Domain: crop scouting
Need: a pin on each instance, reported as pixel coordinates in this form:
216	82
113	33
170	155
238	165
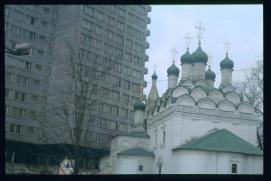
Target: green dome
200	56
173	70
187	58
210	75
154	76
226	63
139	105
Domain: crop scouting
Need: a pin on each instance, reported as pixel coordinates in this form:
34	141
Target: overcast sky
241	24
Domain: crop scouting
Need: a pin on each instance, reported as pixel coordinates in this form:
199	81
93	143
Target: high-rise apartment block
110	38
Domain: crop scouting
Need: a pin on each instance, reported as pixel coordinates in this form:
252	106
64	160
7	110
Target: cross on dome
200	28
174	52
210	58
188	39
154	67
227	45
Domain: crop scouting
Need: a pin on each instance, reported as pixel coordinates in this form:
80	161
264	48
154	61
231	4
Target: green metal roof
134	134
222	141
136	152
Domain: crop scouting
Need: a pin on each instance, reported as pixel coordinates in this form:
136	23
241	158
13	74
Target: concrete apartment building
112	37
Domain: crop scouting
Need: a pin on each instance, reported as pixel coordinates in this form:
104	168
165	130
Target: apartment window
98	29
32	21
140	168
42	37
115	95
88	25
114	110
12	128
36	82
126	84
119	39
110	20
131	17
30	130
234	168
136	87
8	77
89	10
46	10
119	53
128	57
16	128
122	12
129	43
40	52
99	15
7	11
110	35
120	25
123	112
125	98
18	15
44	23
27	66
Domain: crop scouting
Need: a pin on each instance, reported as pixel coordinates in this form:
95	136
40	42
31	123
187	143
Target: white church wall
198	94
185	100
246	108
216	95
233	97
203	162
130	164
179	91
206	103
226	105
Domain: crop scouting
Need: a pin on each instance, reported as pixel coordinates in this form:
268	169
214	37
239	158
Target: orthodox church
193	128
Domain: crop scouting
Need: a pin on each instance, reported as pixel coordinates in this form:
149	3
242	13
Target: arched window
140	168
234	168
159	168
164	137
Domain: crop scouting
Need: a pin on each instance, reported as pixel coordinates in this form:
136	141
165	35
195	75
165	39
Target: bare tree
76	103
251	90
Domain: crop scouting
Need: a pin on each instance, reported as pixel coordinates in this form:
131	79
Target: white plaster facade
190	111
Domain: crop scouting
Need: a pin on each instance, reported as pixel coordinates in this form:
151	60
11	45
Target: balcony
146	58
148	20
147	45
148	32
145	70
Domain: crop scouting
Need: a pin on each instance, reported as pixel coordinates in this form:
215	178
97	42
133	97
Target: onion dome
173	70
200	56
226	63
154	76
210	75
139	105
187	58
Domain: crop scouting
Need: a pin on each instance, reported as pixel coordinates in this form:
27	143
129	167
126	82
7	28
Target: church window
140	168
234	168
159	168
164	137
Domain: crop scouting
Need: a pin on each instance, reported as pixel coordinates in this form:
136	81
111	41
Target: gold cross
188	38
210	57
154	67
200	29
227	45
174	52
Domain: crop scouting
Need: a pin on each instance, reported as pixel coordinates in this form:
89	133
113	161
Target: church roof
136	152
221	141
